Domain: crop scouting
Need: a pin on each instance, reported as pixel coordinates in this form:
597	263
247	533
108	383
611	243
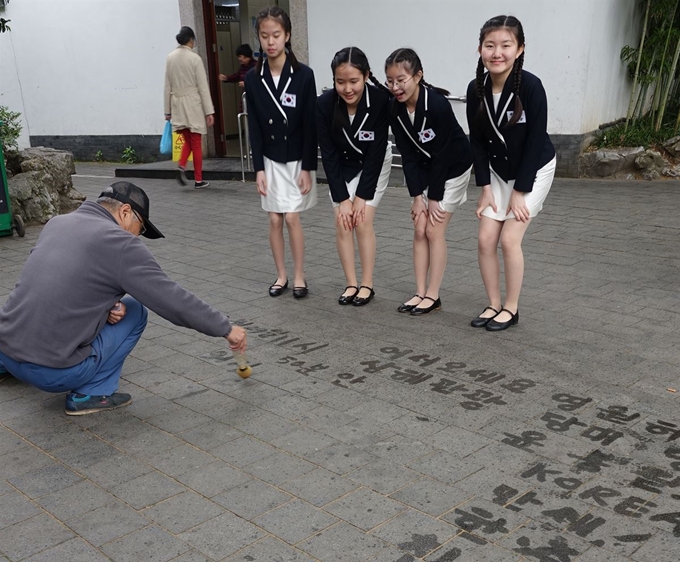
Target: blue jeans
98	374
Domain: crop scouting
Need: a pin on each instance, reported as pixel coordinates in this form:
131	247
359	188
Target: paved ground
364	434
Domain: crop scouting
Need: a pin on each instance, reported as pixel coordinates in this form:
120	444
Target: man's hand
117	313
237	339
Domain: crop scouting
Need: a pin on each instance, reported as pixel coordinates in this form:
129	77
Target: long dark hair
514	26
276	13
355	57
411	61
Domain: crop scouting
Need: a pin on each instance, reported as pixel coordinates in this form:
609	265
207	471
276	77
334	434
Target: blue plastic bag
166	139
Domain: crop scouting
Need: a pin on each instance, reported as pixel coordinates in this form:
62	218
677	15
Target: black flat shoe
408	307
495	326
364	300
300	292
481	322
348	299
436	305
275	290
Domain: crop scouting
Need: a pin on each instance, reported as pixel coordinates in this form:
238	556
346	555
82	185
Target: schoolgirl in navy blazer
356	147
430	160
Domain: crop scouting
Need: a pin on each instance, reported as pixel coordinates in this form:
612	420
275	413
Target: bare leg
277	245
344	241
366	242
297	247
421	257
513	260
489	266
436	236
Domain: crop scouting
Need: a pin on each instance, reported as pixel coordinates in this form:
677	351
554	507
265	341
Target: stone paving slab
363	434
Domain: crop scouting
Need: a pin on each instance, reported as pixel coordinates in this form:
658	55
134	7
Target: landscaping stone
608	162
42	188
651	164
673	146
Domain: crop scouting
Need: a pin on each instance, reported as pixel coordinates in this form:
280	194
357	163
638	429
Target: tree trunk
665	95
637	65
671	74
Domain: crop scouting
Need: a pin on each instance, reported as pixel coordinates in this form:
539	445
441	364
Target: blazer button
273	139
271	121
506	157
490	142
285	121
286	138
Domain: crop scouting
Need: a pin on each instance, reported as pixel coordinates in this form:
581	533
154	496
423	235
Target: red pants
192	143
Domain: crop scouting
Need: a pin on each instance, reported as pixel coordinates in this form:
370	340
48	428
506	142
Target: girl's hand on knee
518	206
417	208
305	182
486	199
345	215
261	182
435	212
359	210
117	313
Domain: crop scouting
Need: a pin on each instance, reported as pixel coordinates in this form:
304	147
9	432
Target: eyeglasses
399	84
143	229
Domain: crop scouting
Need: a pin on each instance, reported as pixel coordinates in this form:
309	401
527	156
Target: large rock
43	188
673	146
651	164
608	162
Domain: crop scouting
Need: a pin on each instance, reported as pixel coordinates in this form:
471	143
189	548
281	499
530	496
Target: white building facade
87	75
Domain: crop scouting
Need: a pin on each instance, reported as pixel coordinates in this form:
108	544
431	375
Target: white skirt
455	192
502	191
283	193
383	180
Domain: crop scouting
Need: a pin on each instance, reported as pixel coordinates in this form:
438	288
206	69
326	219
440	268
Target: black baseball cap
129	193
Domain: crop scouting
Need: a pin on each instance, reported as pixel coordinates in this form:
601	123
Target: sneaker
182	178
201	184
81	404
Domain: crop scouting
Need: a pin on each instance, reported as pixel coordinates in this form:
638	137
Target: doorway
228	24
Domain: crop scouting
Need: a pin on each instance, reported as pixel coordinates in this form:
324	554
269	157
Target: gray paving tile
431	496
146	490
342	543
115	470
243	451
295	521
75	500
213	478
365	508
156	545
415	533
182	512
252	498
340	458
180	460
319	487
106	523
73	550
192	556
16	508
269	549
383	476
222	536
31	536
209	435
303	442
467	547
279	468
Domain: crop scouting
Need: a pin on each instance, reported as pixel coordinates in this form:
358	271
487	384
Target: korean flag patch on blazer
426	136
366	135
288	100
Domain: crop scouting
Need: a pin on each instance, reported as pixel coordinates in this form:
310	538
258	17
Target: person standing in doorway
187	103
507	111
281	96
244	54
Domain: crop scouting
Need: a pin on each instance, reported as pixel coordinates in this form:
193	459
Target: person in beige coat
187	102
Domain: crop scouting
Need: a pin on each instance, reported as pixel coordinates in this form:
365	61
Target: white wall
10	88
573	46
88	67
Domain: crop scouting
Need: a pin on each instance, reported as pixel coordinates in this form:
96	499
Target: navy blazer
517	152
434	149
359	147
282	120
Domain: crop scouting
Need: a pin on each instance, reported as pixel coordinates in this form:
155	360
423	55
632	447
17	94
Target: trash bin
8	223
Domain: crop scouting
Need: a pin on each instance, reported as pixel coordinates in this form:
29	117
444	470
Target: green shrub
129	155
639	133
10	129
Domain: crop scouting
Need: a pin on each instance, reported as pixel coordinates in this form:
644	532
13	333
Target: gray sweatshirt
82	264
